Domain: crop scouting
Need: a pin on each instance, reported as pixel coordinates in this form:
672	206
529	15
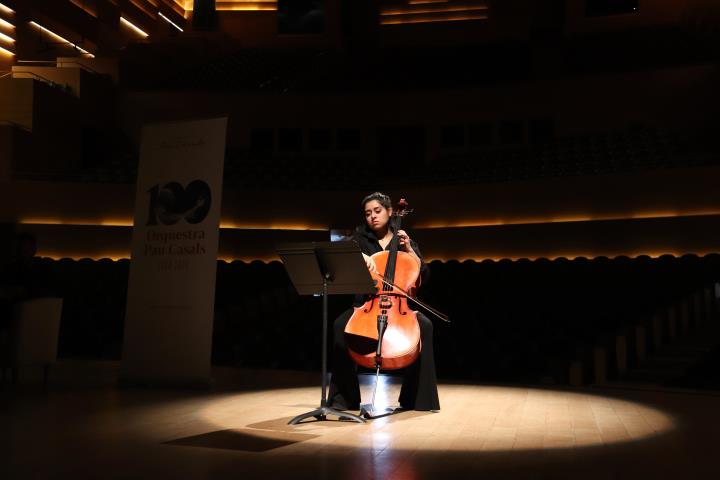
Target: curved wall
673	211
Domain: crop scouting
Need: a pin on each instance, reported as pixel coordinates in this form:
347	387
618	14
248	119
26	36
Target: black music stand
326	268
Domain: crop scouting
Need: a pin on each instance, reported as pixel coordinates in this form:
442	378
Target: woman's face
377	216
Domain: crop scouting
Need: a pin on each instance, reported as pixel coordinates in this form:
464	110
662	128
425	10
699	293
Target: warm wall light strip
477	16
227	259
6	38
6	52
572	256
566	219
248	5
272	226
133	27
115	256
170	21
177	6
62	39
141	6
6	24
120	222
82	6
6	9
247	8
401	11
241	2
188	7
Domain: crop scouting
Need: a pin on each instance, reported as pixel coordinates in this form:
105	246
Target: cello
384	332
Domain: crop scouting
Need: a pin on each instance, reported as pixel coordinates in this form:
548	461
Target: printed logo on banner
172	203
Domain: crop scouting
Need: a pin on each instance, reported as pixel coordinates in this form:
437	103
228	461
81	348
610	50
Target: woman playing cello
419	388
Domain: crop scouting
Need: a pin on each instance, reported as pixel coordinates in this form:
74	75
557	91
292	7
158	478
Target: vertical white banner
171	289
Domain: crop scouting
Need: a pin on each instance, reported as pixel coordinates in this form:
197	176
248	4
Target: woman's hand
404	241
405	245
370	263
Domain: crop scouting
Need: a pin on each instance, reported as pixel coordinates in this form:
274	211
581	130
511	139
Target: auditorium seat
530	320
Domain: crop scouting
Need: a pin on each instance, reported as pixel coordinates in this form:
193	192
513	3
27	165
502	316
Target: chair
34	337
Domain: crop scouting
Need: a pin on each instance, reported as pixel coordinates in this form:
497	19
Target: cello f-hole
369	307
400	307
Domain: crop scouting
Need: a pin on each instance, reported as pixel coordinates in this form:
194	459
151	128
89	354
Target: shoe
418	409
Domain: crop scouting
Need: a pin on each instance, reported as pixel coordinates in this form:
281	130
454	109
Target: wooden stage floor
239	430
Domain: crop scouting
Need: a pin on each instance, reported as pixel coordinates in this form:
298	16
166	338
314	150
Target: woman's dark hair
382	199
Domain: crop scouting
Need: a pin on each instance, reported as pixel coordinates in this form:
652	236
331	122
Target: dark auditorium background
561	157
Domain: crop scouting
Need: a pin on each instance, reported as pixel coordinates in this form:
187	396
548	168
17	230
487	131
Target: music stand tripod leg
322	412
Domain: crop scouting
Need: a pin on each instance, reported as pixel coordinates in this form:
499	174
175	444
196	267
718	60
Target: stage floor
240	430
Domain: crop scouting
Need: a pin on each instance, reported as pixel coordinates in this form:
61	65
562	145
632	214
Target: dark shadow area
239	440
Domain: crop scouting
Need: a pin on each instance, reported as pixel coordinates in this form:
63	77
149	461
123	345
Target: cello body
401	338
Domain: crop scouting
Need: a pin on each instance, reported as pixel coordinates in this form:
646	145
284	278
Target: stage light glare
170	21
7	52
133	27
6	9
60	38
6	24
